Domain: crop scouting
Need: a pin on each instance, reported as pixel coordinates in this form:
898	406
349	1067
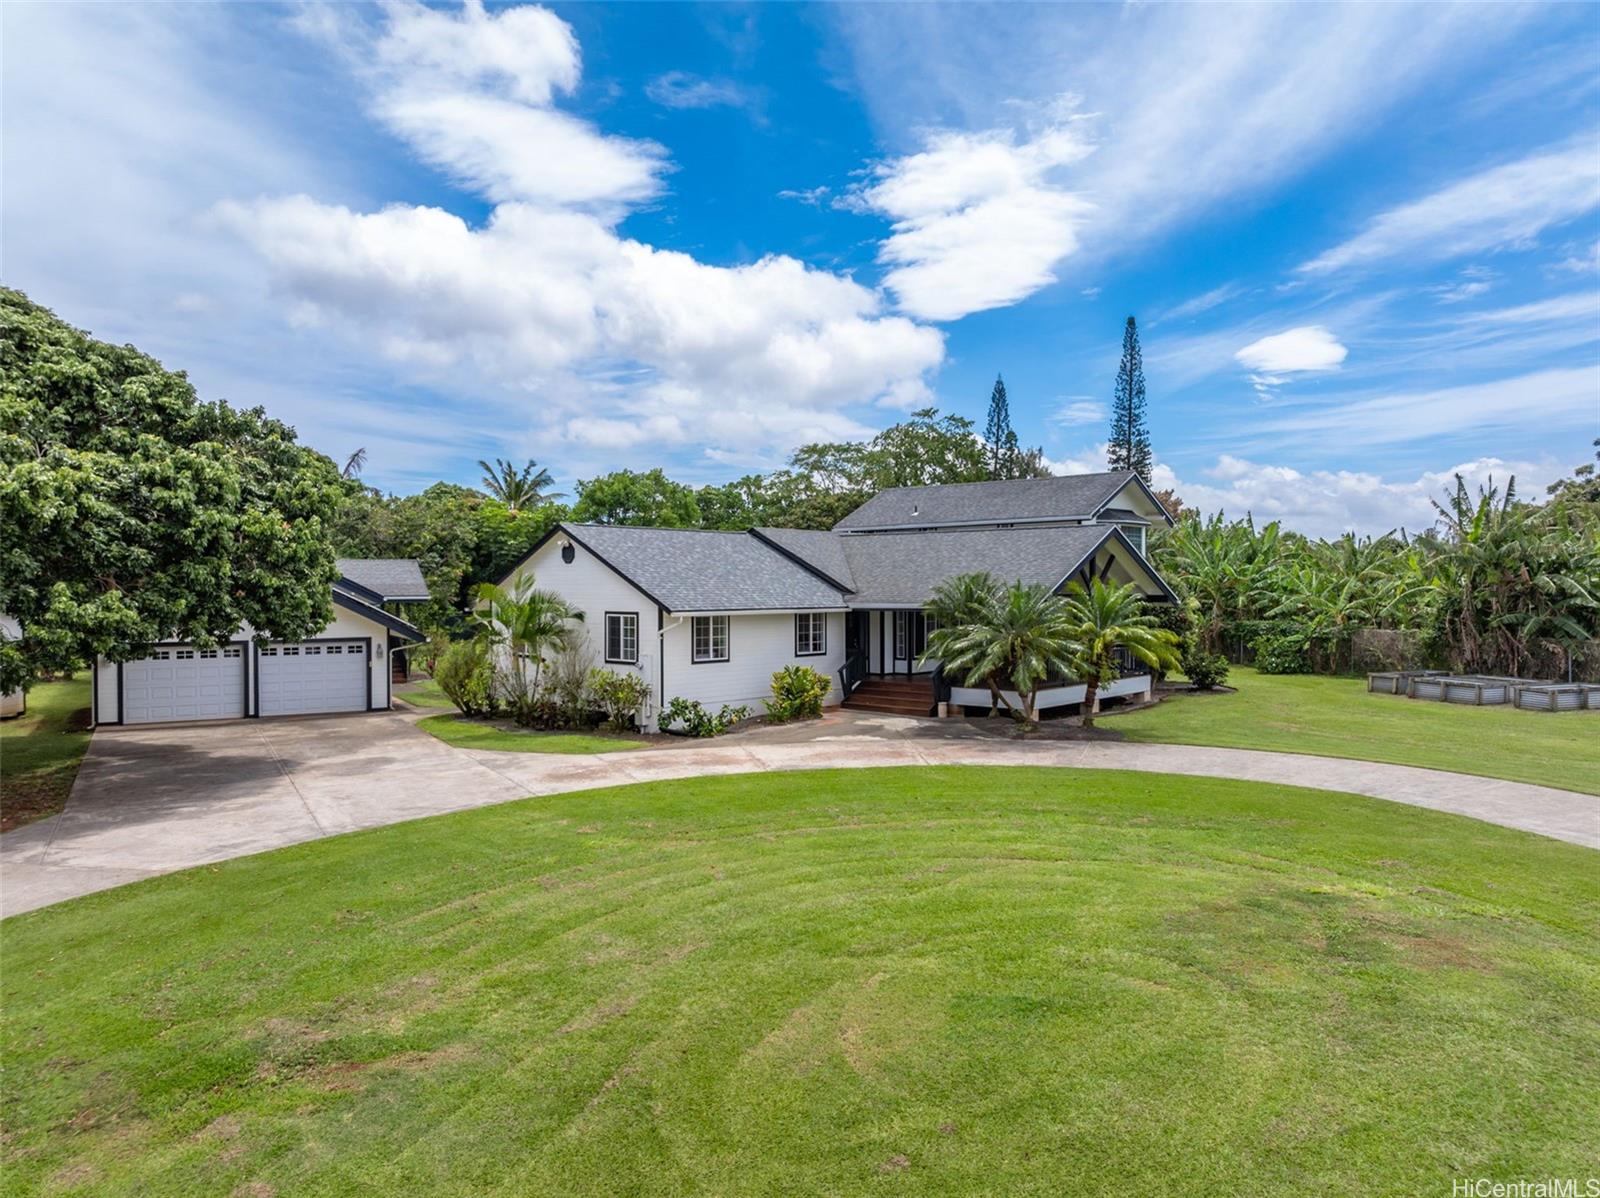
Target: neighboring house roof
352	601
392	579
1029	500
902	569
688	570
821	551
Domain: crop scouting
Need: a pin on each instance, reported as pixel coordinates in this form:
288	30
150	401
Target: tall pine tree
999	438
1130	439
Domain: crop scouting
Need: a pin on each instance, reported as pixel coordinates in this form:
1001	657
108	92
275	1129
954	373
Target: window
710	636
313	650
291	650
269	652
622	637
231	652
810	634
185	654
900	635
335	648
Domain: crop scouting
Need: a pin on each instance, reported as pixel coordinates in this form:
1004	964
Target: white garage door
180	682
314	676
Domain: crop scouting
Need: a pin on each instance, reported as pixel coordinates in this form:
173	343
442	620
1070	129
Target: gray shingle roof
395	578
1067	497
819	550
903	568
690	570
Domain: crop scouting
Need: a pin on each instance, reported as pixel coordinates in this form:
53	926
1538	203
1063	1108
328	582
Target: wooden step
885	707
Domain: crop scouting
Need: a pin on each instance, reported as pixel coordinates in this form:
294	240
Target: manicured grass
481	734
422	692
932	981
40	751
1336	717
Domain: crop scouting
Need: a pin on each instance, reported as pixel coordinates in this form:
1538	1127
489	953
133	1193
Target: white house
346	667
11	702
712	615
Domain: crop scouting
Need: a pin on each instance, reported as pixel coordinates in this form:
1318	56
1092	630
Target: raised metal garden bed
1559	696
1474	690
1398	682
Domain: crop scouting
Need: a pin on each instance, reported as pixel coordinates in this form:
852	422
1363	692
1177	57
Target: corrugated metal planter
1474	690
1575	696
1397	682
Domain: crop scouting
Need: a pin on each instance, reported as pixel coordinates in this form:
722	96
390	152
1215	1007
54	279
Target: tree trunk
1091	702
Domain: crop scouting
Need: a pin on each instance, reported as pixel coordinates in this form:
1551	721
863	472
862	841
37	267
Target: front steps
893	696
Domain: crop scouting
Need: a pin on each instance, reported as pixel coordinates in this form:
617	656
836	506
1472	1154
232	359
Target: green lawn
40	751
925	981
1336	717
422	692
481	734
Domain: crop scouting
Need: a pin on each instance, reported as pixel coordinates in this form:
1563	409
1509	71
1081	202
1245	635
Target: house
711	616
12	703
346	667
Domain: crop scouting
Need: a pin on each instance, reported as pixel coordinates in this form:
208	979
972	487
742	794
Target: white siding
594	588
759	646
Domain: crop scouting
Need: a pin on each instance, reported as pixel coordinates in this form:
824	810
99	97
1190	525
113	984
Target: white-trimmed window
810	634
710	637
901	619
622	637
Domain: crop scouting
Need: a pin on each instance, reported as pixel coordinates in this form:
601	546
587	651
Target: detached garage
345	669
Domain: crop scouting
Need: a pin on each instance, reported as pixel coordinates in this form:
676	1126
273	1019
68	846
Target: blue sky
1361	241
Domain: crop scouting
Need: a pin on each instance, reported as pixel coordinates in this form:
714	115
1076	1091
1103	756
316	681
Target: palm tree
530	623
354	464
517	488
1011	637
1104	618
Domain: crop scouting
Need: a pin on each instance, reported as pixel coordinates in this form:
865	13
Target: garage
313	676
181	682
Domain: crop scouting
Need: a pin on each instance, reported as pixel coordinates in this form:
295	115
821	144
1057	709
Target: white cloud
680	89
625	345
1328	503
473	93
812	197
1200	303
1551	399
1308	349
1232	99
1081	411
979	219
1503	207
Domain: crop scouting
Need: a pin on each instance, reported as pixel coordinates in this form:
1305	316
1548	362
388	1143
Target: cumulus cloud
1308	349
1502	207
979	219
626	344
1329	503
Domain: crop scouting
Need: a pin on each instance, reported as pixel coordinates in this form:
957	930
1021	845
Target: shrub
1282	653
567	686
465	673
697	721
1205	670
621	696
797	694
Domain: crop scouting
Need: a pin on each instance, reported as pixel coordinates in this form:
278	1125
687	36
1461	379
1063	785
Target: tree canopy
134	512
636	497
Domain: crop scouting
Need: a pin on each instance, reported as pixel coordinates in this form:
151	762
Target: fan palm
1105	618
1004	638
517	488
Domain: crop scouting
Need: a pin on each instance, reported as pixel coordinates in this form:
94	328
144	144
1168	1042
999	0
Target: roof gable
392	579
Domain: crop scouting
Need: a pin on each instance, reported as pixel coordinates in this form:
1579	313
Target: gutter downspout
661	656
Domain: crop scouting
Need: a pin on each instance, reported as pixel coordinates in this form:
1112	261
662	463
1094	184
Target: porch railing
852	673
1129	666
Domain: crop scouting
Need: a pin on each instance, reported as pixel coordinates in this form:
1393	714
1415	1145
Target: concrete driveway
152	800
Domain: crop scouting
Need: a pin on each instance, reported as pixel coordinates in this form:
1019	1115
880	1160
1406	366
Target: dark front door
856	630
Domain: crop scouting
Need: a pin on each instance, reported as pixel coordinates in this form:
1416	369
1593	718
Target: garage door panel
313	676
181	682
